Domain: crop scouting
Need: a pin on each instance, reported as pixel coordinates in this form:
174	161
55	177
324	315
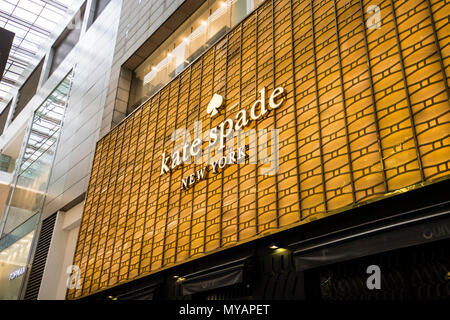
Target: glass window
13	261
100	5
97	8
67	41
6	165
207	25
34	167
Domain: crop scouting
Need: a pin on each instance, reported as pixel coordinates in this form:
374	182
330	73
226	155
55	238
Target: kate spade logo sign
221	149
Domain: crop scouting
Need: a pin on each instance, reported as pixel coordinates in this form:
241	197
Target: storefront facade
332	110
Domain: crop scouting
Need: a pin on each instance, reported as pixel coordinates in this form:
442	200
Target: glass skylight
32	21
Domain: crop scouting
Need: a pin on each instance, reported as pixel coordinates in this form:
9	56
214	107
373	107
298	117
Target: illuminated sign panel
221	138
17	273
364	114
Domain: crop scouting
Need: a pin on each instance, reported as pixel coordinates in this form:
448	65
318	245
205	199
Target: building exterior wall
91	60
364	115
61	251
138	21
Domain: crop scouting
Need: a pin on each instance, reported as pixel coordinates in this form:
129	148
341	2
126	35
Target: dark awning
143	293
367	242
220	276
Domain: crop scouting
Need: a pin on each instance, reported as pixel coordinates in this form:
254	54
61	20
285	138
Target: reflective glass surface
32	22
34	167
13	260
208	24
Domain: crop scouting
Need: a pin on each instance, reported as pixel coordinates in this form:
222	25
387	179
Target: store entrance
416	273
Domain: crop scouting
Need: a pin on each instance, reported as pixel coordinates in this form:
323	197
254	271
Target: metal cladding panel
6	42
365	115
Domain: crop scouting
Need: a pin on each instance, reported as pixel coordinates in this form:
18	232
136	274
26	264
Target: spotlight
179	279
273	246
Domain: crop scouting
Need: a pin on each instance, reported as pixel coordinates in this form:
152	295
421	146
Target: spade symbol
215	103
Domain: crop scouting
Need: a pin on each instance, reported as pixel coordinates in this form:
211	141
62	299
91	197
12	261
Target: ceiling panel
32	21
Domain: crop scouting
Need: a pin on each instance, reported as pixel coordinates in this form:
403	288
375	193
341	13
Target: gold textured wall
366	114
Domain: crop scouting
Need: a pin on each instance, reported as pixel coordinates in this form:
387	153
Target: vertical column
175	177
230	195
393	113
191	117
167	226
88	206
267	189
153	152
185	196
103	216
335	149
123	197
134	168
214	210
113	214
164	180
286	117
439	14
141	181
198	190
427	90
98	204
248	171
367	168
313	200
